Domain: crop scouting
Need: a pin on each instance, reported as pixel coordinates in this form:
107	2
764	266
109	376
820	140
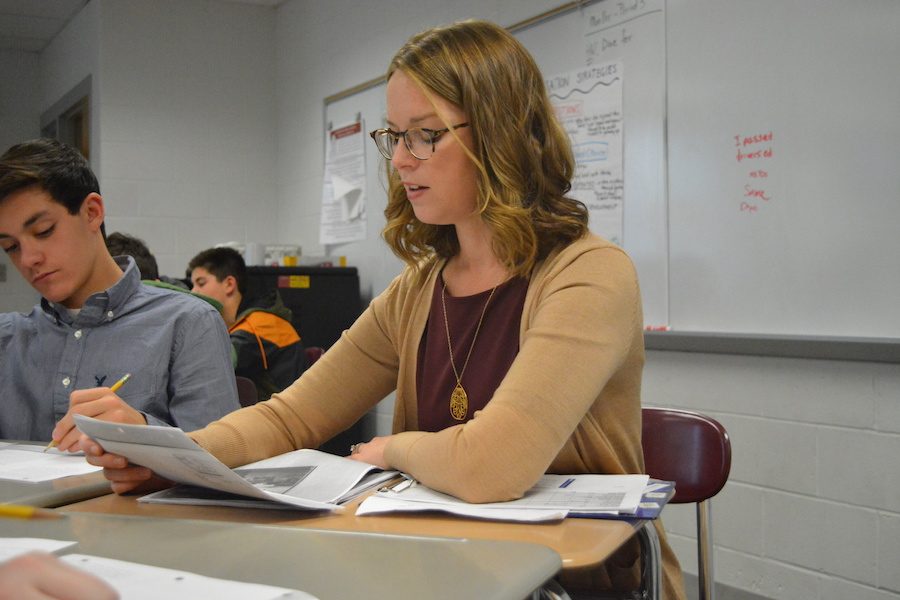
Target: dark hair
55	167
120	244
222	262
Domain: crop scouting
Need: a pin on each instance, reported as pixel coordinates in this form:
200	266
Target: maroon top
495	349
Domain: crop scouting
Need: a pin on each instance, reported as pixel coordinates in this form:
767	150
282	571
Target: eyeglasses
419	141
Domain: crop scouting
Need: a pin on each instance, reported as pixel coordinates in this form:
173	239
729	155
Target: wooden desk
53	493
579	542
327	564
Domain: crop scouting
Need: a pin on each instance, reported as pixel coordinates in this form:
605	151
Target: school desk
581	543
55	492
326	564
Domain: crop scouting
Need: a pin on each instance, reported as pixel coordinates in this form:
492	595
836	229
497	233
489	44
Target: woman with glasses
513	338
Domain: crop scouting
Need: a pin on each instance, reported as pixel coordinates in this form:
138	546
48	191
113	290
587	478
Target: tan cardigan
570	402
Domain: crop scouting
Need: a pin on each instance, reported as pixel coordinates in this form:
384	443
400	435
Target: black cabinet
325	300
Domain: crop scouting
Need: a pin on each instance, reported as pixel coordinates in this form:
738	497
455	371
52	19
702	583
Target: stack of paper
304	478
554	497
29	462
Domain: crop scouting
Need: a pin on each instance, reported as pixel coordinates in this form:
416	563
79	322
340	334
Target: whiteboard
821	79
762	160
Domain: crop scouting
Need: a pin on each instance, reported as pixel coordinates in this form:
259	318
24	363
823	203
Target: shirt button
110	314
78	335
66	381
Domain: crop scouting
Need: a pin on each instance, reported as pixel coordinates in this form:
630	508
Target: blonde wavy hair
522	154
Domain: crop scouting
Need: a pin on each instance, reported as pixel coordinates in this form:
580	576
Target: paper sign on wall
343	188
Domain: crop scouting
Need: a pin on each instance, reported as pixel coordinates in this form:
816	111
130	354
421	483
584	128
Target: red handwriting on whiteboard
757	148
749	147
742	141
754	193
762	153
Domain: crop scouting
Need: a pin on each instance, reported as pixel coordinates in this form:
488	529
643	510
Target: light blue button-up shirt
175	346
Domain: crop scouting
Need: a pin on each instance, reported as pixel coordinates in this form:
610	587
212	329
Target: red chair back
246	391
686	447
313	353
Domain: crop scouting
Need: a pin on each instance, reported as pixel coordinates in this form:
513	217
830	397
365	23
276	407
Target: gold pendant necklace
459	400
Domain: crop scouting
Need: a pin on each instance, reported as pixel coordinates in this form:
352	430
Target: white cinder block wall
18	121
18	96
187	124
812	509
183	119
211	128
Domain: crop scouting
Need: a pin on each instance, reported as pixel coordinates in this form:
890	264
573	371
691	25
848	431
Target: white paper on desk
28	462
135	581
589	492
561	493
378	504
620	493
303	478
13	547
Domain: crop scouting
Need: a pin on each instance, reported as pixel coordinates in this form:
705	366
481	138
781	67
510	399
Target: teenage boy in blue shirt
95	321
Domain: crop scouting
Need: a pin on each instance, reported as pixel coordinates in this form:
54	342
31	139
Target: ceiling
29	25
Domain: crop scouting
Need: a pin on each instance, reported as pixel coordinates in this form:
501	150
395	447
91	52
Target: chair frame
701	478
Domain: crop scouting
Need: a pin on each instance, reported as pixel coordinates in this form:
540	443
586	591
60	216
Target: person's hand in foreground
40	576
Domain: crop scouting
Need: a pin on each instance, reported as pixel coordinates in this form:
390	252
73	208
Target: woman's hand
372	452
124	476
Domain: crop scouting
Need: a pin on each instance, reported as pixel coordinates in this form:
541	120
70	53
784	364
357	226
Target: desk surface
327	564
56	492
579	542
53	493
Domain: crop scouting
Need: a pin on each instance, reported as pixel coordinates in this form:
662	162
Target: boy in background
95	321
266	345
123	244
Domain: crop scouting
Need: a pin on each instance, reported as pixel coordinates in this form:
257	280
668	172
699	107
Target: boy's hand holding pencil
100	403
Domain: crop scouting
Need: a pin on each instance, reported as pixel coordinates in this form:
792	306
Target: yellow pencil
16	511
115	388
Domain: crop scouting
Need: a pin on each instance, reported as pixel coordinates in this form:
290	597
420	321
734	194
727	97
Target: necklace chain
459	400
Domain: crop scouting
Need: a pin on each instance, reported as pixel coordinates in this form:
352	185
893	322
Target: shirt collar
102	306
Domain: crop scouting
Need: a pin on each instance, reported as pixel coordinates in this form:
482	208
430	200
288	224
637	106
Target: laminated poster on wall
343	188
588	103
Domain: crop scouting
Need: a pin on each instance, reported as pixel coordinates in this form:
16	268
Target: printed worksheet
29	462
